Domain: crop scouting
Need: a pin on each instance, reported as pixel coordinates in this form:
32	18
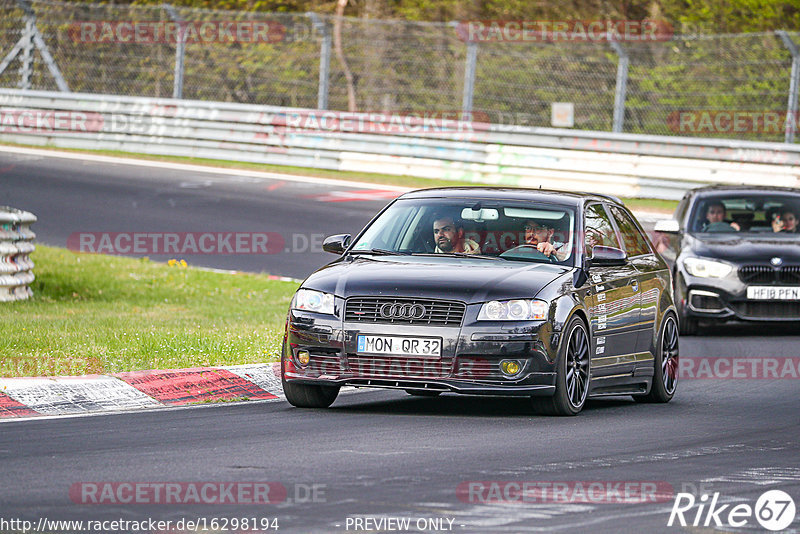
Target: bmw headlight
513	310
315	301
707	268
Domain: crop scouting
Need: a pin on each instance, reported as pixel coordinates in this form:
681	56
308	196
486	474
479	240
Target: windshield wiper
379	252
458	255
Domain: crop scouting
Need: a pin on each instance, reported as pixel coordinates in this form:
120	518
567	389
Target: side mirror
667	226
336	243
607	257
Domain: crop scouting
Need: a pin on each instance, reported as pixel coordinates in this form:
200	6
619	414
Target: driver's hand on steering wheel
546	248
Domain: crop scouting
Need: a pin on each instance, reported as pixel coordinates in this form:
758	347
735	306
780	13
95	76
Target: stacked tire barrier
16	266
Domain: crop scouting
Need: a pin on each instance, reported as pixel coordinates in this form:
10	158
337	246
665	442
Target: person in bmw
786	221
750	275
392	312
715	219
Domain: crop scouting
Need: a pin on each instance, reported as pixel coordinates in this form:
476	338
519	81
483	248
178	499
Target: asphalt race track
381	455
71	197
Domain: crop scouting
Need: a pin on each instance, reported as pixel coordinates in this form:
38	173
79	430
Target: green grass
105	314
644	204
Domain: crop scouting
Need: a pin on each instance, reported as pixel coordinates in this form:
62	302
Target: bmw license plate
773	293
425	347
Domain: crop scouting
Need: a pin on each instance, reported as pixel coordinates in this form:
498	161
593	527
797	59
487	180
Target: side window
599	230
635	242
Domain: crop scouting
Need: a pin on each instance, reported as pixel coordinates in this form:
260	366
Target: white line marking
200	168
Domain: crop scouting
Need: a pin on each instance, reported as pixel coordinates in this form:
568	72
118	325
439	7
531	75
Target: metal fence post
794	86
180	51
26	61
469	77
31	37
324	60
620	93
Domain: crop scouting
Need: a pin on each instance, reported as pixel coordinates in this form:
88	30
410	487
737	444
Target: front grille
790	274
397	367
437	312
324	364
476	368
765	274
768	310
757	274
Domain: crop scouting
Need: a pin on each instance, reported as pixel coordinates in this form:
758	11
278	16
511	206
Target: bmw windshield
480	228
774	215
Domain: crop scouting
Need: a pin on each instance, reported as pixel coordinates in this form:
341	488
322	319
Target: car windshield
482	228
772	214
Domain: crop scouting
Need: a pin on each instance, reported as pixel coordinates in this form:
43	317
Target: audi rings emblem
402	311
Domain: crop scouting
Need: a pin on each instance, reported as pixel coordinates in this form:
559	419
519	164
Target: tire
422	393
573	373
665	376
307	395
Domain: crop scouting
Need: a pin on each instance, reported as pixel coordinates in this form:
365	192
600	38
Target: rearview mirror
667	226
607	256
336	243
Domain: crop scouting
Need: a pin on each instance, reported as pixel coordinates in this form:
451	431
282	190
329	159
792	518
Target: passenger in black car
715	219
786	222
449	236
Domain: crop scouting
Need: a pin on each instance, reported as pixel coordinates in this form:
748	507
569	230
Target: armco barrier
621	164
16	267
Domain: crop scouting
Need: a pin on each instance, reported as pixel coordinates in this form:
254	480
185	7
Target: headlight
513	310
316	301
707	268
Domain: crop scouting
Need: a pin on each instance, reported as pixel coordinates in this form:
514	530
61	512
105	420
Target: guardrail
16	267
441	145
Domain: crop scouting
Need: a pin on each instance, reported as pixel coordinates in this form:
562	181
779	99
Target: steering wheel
529	251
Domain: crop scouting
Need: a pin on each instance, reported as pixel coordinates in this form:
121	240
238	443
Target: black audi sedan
550	295
737	255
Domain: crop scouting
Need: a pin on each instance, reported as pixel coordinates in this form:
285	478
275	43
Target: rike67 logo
774	510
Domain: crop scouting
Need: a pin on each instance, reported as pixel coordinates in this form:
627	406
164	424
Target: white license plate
773	293
429	347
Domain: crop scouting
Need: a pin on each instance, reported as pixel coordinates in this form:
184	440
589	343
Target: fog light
303	356
510	367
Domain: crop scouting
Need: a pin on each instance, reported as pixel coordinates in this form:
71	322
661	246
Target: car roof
510	193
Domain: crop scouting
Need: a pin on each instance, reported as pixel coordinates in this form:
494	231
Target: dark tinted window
635	242
751	213
599	230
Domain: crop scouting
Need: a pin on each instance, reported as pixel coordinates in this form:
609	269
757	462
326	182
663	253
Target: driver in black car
715	219
539	236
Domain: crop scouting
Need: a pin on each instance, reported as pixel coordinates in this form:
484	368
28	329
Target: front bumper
726	299
469	363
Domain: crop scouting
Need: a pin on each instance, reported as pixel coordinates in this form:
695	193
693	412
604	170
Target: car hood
464	279
748	248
